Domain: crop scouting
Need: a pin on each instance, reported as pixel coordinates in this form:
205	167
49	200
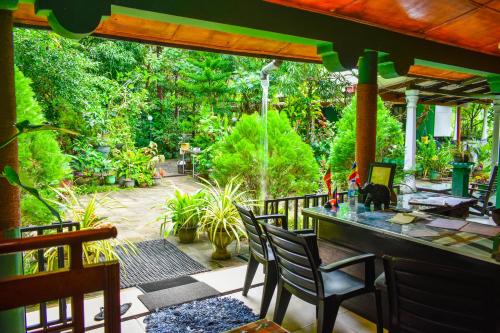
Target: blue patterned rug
213	315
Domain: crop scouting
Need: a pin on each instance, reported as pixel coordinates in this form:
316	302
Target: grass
96	188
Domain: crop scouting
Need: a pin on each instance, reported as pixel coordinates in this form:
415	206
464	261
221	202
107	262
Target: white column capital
496	104
411	97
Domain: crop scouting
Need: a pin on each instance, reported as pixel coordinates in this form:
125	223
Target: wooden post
366	113
459	125
10	218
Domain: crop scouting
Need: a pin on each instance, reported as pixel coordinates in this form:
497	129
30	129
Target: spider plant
220	218
85	213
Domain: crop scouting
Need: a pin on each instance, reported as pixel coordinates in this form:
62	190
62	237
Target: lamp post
150	119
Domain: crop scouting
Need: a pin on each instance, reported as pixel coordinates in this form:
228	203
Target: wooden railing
63	316
291	208
74	282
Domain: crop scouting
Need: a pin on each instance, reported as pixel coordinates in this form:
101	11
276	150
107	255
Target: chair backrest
426	297
493	179
296	265
382	173
256	238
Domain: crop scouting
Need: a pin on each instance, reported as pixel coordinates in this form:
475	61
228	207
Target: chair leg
269	285
251	269
327	314
282	301
380	317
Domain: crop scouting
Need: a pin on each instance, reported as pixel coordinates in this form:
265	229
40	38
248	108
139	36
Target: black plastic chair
326	287
484	205
430	298
260	253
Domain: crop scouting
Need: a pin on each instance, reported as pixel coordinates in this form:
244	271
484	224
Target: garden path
135	212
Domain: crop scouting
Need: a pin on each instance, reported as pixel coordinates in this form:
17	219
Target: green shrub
42	163
389	139
292	167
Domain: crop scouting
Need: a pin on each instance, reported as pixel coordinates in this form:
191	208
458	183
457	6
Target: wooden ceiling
120	26
471	24
435	91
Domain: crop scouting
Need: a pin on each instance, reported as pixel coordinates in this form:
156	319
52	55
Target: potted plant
183	216
157	178
461	154
220	218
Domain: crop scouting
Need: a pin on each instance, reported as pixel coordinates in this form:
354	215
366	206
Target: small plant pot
221	240
121	180
187	235
157	181
104	149
434	175
128	183
495	214
110	180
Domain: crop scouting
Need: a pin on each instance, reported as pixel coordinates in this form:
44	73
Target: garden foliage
389	140
42	164
292	167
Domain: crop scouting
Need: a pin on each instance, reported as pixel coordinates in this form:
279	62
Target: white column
496	130
411	136
484	134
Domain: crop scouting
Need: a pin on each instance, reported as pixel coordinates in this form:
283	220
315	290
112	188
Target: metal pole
11	321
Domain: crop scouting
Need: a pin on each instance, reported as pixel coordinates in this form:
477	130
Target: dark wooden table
351	232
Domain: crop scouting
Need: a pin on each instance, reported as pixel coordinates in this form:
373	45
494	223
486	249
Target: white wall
443	122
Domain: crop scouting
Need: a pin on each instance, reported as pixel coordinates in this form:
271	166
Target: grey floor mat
165	284
156	260
177	295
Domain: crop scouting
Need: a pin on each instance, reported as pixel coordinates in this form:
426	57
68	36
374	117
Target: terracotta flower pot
220	241
187	235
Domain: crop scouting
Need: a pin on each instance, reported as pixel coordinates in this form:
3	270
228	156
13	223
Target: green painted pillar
11	321
366	113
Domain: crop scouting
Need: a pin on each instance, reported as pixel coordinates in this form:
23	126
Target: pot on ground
220	240
104	149
157	180
434	175
187	235
110	179
128	183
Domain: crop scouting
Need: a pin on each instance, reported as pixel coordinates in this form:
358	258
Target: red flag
328	180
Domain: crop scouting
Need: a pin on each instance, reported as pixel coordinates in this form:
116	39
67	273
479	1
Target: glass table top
465	243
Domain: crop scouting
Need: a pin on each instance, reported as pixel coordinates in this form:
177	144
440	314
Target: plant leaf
26	127
13	178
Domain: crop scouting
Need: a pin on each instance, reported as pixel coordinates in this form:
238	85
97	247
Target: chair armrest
364	258
304	232
276	217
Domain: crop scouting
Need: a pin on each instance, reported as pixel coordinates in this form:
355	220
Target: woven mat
156	260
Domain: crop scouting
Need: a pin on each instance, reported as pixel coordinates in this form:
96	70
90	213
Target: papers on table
485	230
447	224
464	226
402	219
440	201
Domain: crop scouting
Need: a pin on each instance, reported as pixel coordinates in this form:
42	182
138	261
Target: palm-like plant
220	218
183	212
84	212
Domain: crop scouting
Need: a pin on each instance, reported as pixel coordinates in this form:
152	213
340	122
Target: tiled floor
300	316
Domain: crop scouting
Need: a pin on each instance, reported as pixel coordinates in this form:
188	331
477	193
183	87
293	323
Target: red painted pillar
11	321
366	113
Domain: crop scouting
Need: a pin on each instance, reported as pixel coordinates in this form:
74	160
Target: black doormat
177	295
166	284
155	260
